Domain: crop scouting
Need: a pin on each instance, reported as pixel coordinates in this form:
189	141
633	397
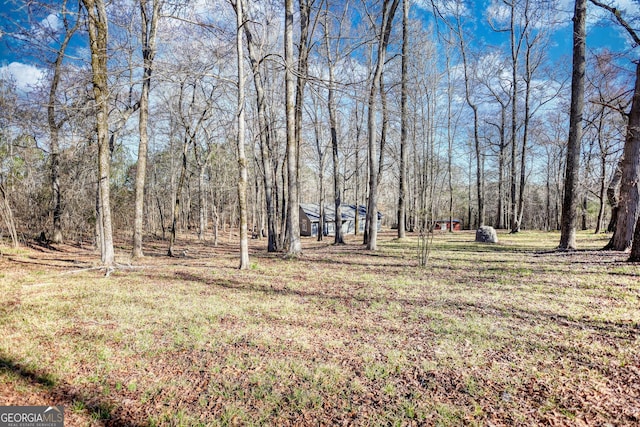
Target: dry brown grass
511	334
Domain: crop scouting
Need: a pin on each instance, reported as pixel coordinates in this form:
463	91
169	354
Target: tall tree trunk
55	184
177	198
402	191
293	224
629	206
337	189
585	206
265	140
302	72
282	196
357	168
602	194
613	192
149	23
333	127
388	12
525	132
98	36
54	128
216	224
569	205
476	136
242	159
321	205
98	233
321	156
548	197
500	221
635	248
202	203
629	203
515	53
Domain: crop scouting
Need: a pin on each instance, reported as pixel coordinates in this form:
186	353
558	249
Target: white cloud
498	13
52	22
632	7
629	9
24	75
448	8
543	14
48	26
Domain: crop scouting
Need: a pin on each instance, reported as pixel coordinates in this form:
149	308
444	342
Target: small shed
310	219
444	224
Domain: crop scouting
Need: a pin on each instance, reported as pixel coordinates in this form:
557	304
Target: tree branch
620	19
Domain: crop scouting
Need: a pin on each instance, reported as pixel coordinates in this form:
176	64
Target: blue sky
602	33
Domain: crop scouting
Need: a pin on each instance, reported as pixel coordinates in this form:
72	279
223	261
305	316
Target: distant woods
147	119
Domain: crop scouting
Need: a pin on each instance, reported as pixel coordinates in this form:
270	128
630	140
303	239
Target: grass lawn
506	334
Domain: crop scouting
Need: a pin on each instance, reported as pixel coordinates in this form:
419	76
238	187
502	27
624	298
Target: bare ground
511	334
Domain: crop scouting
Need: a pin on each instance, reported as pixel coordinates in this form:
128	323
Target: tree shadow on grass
105	411
606	328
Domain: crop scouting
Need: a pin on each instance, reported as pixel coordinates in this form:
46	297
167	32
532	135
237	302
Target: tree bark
500	220
294	247
202	203
628	209
178	197
613	197
265	140
240	136
337	189
602	193
629	206
569	205
388	12
525	132
515	53
333	128
98	36
402	190
476	136
148	37
54	129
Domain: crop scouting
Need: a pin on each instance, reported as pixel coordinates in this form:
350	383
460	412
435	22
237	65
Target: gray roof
348	212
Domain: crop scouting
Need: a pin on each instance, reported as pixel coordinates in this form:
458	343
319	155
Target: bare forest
151	119
240	212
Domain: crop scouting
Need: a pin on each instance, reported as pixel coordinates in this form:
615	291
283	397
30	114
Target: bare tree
331	51
321	152
294	246
474	107
388	12
194	108
150	15
98	38
402	190
608	102
56	124
515	41
499	93
569	204
242	158
257	61
624	236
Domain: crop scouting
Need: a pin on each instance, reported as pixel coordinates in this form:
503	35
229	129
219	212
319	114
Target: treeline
404	107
